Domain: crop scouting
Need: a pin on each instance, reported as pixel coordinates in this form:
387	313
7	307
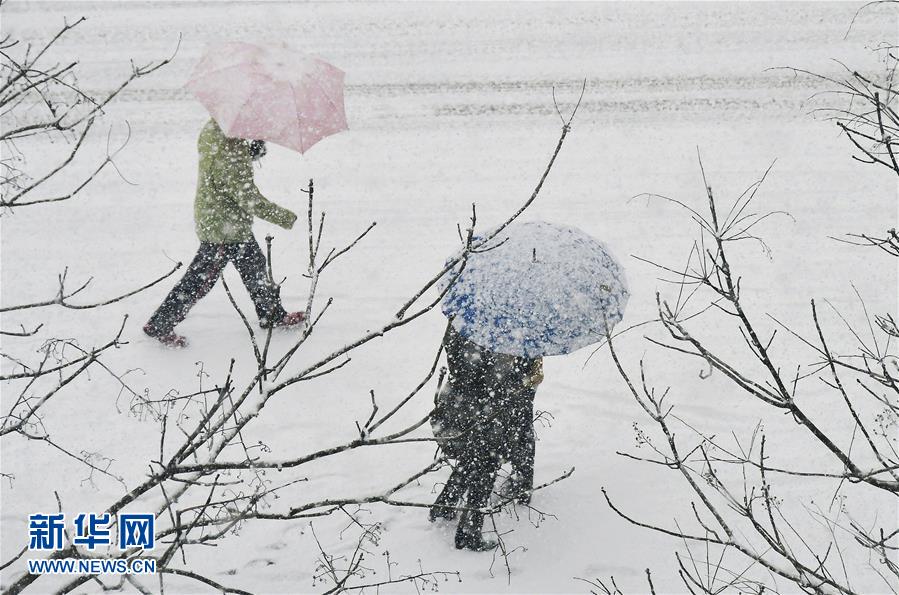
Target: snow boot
291	319
449	497
170	339
440	513
468	534
442	507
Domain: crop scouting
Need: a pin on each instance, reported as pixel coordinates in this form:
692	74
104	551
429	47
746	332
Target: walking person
488	411
226	203
529	290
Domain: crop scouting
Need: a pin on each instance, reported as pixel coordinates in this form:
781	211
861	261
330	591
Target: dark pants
505	430
522	441
202	275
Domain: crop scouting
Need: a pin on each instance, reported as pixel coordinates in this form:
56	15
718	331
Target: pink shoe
172	340
290	319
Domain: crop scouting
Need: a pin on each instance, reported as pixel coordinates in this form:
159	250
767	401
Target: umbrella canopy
270	93
538	289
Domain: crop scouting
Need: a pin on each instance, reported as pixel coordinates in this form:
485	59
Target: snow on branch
740	535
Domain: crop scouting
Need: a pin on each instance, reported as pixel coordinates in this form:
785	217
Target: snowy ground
449	104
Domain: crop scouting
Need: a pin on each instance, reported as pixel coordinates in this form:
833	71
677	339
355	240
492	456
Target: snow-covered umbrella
270	93
537	289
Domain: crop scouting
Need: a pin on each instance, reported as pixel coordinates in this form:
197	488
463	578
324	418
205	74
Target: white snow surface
449	105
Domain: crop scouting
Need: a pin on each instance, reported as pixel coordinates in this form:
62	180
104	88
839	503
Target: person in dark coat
485	415
226	203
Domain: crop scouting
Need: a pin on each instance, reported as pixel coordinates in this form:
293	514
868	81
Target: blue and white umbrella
537	289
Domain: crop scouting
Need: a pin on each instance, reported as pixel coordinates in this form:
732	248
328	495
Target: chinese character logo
136	530
89	530
45	531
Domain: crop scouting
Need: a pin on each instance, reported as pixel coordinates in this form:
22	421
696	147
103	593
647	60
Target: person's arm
237	179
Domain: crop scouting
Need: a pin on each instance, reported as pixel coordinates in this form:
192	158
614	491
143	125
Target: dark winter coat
487	399
227	199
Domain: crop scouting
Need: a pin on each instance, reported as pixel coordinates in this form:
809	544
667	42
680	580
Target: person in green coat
226	203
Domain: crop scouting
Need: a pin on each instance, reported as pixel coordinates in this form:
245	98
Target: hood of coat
213	137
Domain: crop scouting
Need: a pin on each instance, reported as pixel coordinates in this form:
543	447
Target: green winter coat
227	198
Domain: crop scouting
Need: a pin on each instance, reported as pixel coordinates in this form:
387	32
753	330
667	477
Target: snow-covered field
449	104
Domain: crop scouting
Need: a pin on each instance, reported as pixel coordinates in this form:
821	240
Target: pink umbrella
270	93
